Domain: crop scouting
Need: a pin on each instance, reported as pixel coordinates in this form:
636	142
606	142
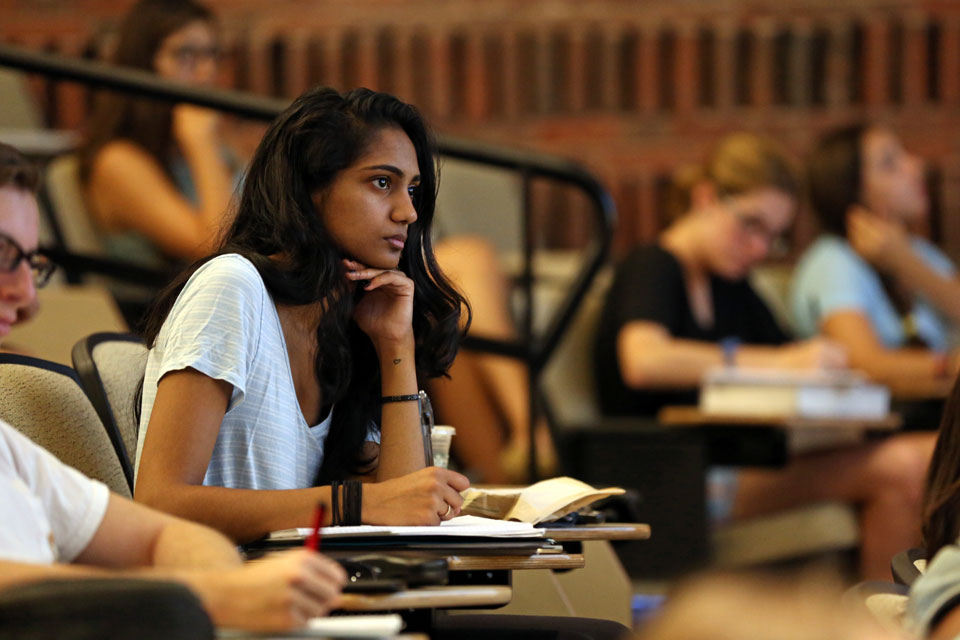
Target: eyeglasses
189	55
12	254
777	244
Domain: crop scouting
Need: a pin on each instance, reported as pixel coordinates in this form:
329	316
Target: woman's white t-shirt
225	325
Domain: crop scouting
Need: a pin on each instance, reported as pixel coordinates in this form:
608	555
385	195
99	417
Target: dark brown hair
941	495
16	171
145	122
737	164
835	176
318	136
835	183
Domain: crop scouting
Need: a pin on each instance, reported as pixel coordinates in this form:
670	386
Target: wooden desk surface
428	598
922	389
612	531
693	417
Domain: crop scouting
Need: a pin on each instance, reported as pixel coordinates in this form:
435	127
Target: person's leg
883	478
502	383
463	401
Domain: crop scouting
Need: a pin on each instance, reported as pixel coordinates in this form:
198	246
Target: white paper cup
440	438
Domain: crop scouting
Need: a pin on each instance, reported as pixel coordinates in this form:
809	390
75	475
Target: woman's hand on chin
425	497
385	313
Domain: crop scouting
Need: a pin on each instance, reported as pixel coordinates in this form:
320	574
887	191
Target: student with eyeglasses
684	305
59	524
23	268
158	177
891	297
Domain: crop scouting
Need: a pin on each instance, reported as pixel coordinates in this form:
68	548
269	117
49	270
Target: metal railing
534	350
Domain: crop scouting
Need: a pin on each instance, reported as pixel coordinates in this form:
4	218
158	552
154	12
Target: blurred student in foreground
60	524
755	607
682	306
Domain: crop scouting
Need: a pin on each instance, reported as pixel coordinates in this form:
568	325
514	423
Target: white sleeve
214	326
73	503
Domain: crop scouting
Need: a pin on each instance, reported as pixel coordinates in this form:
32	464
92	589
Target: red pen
313	540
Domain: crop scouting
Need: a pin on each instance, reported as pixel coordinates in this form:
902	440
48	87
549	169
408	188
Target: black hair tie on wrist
335	519
407	398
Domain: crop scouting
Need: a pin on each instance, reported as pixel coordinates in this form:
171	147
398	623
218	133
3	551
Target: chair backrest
44	401
908	565
568	380
110	367
69	208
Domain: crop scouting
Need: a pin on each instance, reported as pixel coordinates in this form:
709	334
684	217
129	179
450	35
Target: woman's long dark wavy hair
278	229
941	495
145	122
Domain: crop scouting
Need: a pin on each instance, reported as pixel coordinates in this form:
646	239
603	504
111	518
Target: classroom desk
760	441
921	389
693	417
611	532
442	597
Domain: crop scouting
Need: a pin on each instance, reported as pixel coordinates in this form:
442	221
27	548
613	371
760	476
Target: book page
545	500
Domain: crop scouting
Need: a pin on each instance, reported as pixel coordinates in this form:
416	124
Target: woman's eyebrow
391	169
385	167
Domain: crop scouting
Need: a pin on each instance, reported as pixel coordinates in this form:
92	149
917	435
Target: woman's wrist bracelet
407	398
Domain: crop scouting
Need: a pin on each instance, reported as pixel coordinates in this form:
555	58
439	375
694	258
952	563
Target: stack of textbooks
733	391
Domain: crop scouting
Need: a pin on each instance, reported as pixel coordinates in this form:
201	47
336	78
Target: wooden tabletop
693	417
428	598
921	389
612	531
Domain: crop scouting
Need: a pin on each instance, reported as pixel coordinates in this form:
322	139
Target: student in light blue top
887	295
292	357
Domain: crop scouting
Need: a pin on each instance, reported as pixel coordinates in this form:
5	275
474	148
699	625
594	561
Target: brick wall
630	88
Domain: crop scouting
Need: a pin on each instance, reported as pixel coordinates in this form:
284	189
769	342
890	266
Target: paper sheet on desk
377	626
460	526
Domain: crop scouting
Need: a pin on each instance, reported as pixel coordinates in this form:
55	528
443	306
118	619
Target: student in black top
650	286
684	306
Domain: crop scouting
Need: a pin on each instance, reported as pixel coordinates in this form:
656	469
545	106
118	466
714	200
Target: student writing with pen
288	363
59	524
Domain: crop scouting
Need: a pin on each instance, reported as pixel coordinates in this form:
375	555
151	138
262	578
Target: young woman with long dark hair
285	361
158	176
869	283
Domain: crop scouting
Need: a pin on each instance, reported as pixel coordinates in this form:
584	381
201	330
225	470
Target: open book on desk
541	502
459	527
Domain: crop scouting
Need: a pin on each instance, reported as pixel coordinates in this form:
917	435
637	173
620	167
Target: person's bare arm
184	423
183	428
129	190
948	628
889	366
650	358
943	292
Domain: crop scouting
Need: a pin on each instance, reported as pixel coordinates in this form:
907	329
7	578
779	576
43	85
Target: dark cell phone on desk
374	586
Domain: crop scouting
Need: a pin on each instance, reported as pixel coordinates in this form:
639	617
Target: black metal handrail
532	349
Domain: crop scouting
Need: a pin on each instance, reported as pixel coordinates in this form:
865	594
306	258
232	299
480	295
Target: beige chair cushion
51	409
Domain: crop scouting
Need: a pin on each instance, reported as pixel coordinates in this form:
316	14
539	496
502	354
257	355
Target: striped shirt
225	325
